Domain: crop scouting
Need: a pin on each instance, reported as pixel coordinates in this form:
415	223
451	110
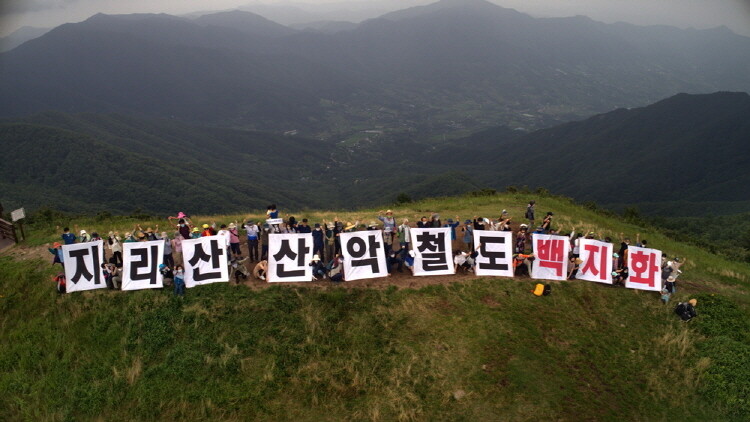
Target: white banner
364	255
644	269
550	257
597	261
83	266
432	248
495	253
205	260
140	269
289	257
272	221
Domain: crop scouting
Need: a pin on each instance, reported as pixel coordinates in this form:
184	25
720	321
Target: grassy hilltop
471	349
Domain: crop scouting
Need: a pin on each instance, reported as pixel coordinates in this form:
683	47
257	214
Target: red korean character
643	268
550	255
591	261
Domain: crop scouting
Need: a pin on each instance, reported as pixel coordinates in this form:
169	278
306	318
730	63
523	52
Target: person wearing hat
318	268
234	239
318	241
574	263
195	233
350	227
686	310
521	237
84	237
452	225
167	274
389	229
468	238
56	251
168	257
435	220
183	226
208	230
404	237
253	232
530	213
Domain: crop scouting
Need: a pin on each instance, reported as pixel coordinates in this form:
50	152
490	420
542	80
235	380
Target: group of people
327	262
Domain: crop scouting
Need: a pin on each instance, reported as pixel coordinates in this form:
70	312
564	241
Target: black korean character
286	251
494	256
436	259
358	248
81	270
147	261
214	258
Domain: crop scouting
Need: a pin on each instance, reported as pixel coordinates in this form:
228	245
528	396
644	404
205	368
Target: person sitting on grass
60	283
336	271
260	270
167	274
460	262
522	264
318	268
686	310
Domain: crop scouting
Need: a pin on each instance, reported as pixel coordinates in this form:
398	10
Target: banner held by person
83	266
596	265
550	257
495	253
205	260
141	265
644	271
289	257
432	248
364	255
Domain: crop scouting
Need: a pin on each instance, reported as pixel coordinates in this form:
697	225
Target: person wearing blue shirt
453	226
68	237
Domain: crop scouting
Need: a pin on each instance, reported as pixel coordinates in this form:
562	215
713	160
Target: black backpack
547	290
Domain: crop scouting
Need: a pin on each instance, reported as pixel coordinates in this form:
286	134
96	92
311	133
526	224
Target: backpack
538	289
547	290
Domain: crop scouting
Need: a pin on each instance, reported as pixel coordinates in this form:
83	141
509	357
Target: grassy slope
588	352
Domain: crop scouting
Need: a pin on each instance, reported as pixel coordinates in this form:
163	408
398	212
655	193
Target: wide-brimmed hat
205	226
693	302
349	226
83	232
389	212
372	224
315	258
56	245
232	226
196	230
181	215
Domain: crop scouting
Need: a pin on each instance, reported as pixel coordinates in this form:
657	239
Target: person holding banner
253	232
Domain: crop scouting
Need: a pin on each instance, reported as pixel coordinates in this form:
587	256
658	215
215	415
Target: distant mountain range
451	67
684	153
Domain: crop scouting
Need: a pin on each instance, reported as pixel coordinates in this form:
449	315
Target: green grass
485	349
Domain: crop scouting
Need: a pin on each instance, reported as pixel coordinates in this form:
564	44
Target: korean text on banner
432	248
550	257
289	257
596	265
495	253
141	265
644	272
83	266
364	255
205	260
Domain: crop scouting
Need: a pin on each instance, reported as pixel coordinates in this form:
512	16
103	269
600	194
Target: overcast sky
684	13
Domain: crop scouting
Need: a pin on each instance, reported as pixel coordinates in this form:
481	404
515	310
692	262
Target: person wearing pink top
234	239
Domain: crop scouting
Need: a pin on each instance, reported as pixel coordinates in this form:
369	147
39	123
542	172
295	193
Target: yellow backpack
539	289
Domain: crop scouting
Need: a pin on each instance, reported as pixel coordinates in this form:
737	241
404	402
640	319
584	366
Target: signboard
18	215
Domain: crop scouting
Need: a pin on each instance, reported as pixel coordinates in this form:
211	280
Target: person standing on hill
177	245
304	227
468	238
319	241
264	241
530	213
452	225
253	232
521	237
389	229
234	239
85	237
68	237
168	257
184	228
547	222
56	251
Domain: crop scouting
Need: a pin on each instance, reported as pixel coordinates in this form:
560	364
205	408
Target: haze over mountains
688	149
431	100
466	64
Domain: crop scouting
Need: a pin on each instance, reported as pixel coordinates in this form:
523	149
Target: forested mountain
449	67
689	148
